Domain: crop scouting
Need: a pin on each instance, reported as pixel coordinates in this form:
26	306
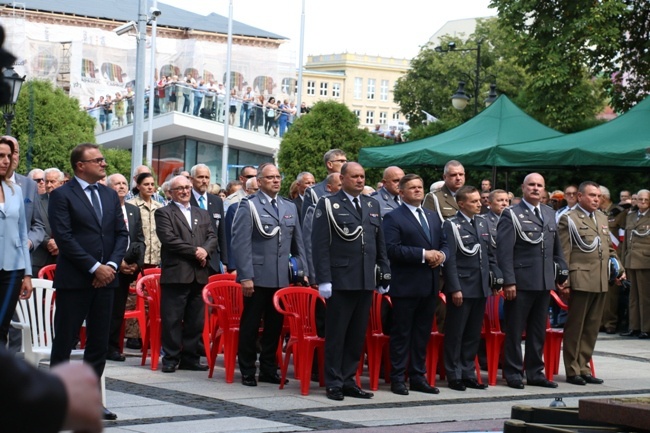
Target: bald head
392	176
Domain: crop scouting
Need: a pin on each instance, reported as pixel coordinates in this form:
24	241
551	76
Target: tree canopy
329	125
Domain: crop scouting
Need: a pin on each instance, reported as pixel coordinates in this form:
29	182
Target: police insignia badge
336	206
318	213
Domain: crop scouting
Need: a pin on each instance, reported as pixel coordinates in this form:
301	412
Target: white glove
383	291
325	290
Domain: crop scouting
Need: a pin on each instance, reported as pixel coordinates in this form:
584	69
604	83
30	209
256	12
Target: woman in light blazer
15	264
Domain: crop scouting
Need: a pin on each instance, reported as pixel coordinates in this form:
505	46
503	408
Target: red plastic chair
148	288
494	337
298	304
139	312
47	272
376	345
222	277
434	349
228	300
553	344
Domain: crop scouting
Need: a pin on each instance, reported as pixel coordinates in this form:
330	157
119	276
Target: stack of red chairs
376	345
148	288
211	331
494	337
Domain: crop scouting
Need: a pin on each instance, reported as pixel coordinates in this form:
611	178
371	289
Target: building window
384	90
336	90
396	115
383	116
311	87
358	86
371	88
323	89
370	117
357	113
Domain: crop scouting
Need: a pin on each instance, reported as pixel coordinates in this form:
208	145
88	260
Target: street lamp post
461	98
15	82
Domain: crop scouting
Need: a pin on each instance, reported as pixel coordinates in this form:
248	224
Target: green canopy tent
471	143
622	142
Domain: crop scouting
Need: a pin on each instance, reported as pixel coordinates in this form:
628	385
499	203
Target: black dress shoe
576	380
115	356
473	383
249	380
271	378
457	385
516	384
588	378
399	388
168	368
192	366
644	336
108	415
423	386
633	333
544	383
334	393
356	392
134	343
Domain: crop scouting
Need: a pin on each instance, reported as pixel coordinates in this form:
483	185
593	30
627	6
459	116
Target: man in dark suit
305	179
388	195
130	265
188	239
88	225
45	253
334	160
527	249
471	258
347	245
416	248
200	178
265	232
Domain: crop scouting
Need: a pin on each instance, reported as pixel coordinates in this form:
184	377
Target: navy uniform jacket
530	267
348	265
492	220
82	239
465	273
405	240
386	201
319	190
261	259
218	217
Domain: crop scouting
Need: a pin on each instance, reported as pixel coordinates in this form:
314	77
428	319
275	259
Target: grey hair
54	170
196	167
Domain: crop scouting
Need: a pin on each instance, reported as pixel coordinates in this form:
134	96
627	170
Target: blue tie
202	202
95	200
425	225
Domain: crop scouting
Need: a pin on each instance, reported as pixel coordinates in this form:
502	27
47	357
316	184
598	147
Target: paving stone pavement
151	401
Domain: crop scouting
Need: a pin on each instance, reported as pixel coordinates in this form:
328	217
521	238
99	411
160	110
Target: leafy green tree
118	160
554	40
329	125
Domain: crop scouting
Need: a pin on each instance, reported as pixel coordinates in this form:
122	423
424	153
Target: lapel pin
335	206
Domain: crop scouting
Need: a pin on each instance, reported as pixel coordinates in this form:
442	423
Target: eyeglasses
249	176
94	160
39	180
181	188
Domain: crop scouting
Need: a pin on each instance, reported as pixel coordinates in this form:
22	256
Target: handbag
270	112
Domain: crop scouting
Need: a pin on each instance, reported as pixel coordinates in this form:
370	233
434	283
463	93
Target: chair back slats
47	272
299	305
221	277
228	298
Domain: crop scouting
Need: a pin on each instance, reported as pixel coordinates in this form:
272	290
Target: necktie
95	200
593	218
424	224
357	206
202	203
538	215
397	200
274	203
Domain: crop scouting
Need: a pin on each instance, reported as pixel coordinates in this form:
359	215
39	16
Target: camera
155	12
126	28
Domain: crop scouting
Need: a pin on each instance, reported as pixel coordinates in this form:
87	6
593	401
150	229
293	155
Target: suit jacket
82	239
13	231
446	202
312	194
386	201
40	255
465	273
587	271
179	244
405	240
298	202
218	217
348	265
529	266
35	225
262	259
136	243
635	250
